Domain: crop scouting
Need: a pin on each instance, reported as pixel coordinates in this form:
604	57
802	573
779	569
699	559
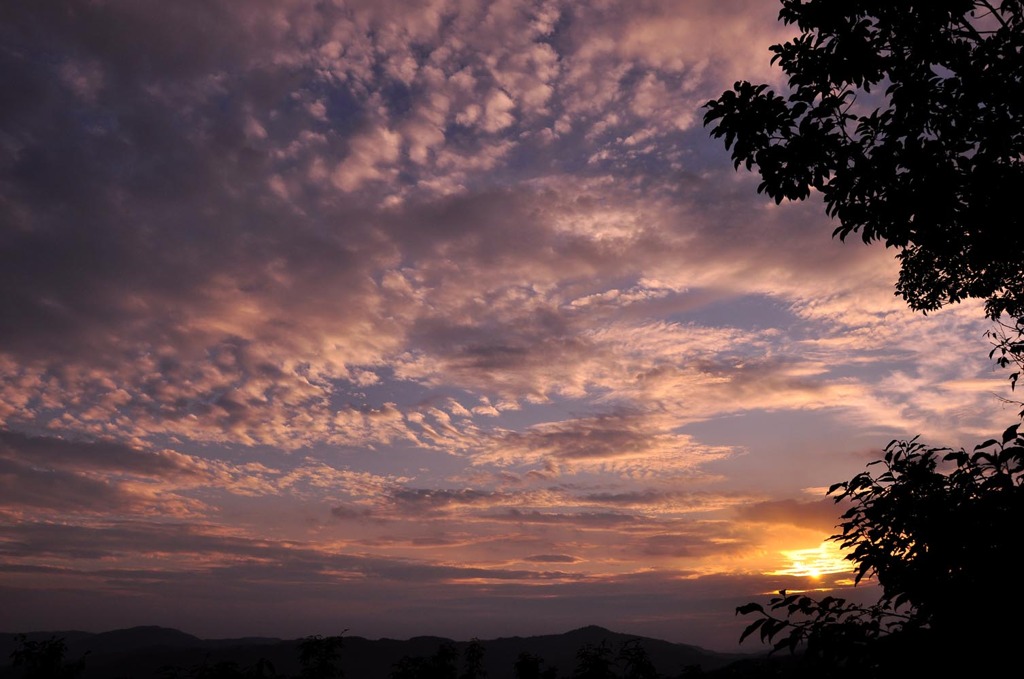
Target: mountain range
152	652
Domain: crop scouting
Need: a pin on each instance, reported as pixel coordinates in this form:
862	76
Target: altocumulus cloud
421	306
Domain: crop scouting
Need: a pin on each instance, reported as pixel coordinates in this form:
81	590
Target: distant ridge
140	637
129	639
146	652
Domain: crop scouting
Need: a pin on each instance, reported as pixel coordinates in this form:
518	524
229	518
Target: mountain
151	652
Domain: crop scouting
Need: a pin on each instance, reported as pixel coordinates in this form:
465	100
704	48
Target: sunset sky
442	317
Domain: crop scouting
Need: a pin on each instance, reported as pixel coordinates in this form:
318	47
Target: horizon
153	650
446	319
344	634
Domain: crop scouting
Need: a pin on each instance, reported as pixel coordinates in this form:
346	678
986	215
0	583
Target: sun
815	562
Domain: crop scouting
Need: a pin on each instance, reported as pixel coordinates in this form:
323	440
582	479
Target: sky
439	317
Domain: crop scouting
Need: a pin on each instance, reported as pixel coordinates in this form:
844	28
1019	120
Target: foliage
223	669
925	533
441	665
320	657
1008	348
831	630
263	669
635	662
937	529
528	666
594	662
908	118
473	657
44	659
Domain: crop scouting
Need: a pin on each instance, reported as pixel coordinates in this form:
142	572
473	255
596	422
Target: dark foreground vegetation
937	529
159	653
907	119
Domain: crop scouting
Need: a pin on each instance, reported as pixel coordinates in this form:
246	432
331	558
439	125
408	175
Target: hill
152	652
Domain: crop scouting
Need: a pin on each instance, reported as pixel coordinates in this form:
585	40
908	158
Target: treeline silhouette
594	661
607	656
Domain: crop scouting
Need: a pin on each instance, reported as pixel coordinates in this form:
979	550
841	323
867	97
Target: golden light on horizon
825	559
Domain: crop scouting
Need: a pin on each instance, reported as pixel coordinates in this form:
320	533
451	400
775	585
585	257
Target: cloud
416	500
46	476
633	444
374	300
370	154
550	558
822	515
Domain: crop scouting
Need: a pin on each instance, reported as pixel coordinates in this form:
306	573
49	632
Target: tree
1008	350
263	669
473	657
528	666
409	667
320	656
908	118
44	659
594	662
224	669
636	664
938	530
441	665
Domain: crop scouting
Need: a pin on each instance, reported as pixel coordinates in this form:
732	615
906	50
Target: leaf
751	628
747	609
923	134
959	456
1011	433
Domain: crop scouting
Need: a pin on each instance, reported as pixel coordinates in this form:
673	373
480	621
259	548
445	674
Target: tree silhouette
635	662
223	669
937	529
407	667
320	657
908	118
1008	350
262	669
528	666
473	658
44	659
441	665
594	662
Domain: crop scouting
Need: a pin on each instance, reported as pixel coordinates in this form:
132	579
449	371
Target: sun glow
815	562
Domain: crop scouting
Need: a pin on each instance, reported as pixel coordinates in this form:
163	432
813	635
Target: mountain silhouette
147	652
